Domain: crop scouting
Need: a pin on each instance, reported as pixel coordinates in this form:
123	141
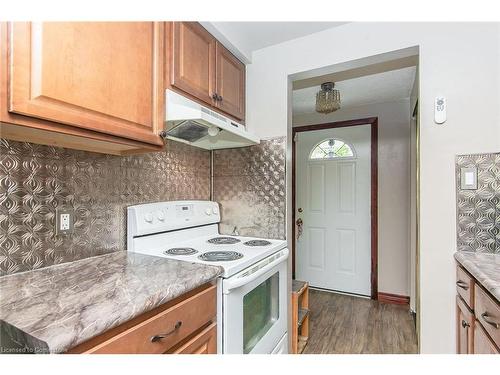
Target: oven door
255	307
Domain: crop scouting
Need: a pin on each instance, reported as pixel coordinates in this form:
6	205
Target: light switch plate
468	178
64	221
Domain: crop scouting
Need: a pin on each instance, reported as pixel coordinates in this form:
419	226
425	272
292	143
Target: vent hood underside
191	123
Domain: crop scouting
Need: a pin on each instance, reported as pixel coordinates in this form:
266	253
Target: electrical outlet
64	221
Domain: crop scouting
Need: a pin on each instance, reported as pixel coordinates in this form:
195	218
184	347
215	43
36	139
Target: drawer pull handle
465	324
160	336
488	320
462	284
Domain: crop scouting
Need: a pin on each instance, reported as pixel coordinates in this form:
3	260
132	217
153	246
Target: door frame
373	122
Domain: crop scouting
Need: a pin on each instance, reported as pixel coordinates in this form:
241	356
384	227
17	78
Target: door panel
347	250
94	75
317	245
194	60
334	251
347	191
317	189
230	83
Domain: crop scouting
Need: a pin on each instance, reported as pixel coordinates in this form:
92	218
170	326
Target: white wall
393	189
458	60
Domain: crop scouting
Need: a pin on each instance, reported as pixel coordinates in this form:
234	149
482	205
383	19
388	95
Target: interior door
333	201
230	83
194	60
100	76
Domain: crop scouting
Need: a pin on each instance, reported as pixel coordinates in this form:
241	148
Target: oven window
260	311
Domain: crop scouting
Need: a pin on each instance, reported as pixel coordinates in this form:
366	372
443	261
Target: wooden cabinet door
230	83
482	343
203	343
464	332
101	76
193	69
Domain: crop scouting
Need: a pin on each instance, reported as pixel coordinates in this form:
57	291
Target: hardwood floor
352	325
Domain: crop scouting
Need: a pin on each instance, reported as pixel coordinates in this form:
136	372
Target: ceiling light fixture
327	99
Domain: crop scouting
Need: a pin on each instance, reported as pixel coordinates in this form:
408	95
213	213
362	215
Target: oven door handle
245	279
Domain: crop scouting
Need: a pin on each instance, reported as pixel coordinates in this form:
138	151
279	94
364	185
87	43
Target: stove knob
208	212
148	217
215	211
161	215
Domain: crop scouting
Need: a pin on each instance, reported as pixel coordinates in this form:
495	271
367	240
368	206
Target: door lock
300	209
300	224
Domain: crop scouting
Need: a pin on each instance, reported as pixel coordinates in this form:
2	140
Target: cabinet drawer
482	343
465	287
488	314
161	332
203	343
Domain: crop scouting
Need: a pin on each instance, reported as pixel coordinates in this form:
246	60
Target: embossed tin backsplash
35	179
478	210
249	183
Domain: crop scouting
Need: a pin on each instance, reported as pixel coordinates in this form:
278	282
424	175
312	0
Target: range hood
189	122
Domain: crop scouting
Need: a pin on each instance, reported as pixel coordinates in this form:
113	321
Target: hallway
350	325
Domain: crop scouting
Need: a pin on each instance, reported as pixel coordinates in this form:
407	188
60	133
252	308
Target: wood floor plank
341	324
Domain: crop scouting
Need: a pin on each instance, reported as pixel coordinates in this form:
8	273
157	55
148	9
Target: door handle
490	321
462	284
300	228
161	336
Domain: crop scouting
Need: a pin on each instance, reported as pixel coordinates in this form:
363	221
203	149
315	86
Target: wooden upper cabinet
230	82
193	60
100	76
204	69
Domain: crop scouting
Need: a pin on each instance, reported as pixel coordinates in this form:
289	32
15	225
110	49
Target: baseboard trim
393	298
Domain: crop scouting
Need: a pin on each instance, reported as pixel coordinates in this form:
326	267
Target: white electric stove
252	298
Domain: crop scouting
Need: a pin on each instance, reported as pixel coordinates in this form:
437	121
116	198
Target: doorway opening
353	206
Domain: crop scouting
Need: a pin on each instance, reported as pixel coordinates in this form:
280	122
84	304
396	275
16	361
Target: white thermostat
440	110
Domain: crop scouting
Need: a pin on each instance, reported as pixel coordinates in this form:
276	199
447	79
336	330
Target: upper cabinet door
193	68
230	83
102	76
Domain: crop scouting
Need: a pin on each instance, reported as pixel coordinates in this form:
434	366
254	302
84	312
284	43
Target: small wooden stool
300	315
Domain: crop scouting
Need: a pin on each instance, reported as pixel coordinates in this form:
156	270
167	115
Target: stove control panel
165	216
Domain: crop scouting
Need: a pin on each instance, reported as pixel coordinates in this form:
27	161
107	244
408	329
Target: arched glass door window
331	148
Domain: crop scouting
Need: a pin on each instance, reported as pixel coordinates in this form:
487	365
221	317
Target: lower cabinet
465	322
185	325
203	343
482	343
477	317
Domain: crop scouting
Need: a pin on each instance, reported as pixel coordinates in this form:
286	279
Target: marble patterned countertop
484	267
53	309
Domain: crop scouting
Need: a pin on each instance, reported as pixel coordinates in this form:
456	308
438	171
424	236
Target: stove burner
257	243
223	240
220	256
180	251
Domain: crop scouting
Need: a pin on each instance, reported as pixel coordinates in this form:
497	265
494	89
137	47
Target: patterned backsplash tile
36	179
249	183
478	211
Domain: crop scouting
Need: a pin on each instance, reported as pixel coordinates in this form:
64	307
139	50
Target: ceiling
247	37
370	89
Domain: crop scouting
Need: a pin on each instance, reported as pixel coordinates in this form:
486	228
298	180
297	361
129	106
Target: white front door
333	201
